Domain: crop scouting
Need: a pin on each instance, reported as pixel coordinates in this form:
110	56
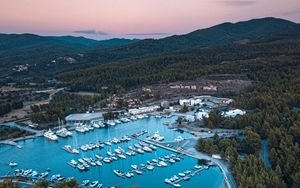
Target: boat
85	182
98	163
172	161
129	175
178	139
198	166
94	184
13	164
107	160
186	178
181	174
63	132
152	147
176	185
50	135
134	167
69	149
147	149
140	151
110	153
122	156
138	172
150	167
98	157
168	181
118	172
163	164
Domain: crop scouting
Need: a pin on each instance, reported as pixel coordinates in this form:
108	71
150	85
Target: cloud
146	34
291	12
90	32
239	3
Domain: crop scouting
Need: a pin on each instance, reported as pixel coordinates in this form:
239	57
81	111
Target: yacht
162	163
94	184
150	167
63	132
122	156
50	135
118	172
69	149
138	172
13	164
168	181
181	174
134	167
176	185
178	139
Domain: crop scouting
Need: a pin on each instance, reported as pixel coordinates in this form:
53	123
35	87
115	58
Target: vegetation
42	184
271	104
61	105
7	107
9	133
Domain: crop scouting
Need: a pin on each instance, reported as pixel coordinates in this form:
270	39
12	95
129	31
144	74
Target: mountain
90	42
226	33
51	55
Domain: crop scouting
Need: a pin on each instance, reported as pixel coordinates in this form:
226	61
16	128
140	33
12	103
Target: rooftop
84	116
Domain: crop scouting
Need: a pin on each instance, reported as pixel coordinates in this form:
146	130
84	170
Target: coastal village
179	115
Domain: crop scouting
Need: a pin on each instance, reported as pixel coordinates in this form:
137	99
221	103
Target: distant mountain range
40	50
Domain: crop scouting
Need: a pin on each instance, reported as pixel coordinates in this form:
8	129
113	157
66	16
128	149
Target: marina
125	163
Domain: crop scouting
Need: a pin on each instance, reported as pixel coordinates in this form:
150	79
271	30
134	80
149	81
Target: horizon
131	19
136	38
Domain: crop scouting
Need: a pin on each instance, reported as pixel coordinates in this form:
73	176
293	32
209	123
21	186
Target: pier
191	152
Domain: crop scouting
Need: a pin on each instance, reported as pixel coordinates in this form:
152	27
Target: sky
103	19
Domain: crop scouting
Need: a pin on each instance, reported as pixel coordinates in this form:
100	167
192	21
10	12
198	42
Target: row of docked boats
83	164
184	176
30	173
150	165
156	137
88	183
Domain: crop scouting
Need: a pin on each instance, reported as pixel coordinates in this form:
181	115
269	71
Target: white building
202	114
190	102
234	113
142	110
83	117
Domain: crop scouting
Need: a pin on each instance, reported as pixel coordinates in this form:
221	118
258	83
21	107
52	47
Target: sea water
40	153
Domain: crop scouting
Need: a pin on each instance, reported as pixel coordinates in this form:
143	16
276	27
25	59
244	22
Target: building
233	113
165	104
142	110
83	117
200	115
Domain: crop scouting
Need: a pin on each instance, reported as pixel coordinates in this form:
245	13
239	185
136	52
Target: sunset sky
102	19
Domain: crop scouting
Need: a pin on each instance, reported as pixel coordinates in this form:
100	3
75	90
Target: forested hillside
187	65
51	55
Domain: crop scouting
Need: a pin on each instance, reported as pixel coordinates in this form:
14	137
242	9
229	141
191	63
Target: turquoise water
40	154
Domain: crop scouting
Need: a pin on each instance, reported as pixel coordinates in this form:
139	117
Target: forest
273	115
62	105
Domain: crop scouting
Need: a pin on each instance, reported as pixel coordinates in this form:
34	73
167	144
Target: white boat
181	174
69	149
122	156
50	135
150	167
176	185
152	147
63	132
178	139
168	181
163	164
13	164
140	151
147	149
94	184
107	160
134	167
138	172
99	157
172	161
118	172
80	129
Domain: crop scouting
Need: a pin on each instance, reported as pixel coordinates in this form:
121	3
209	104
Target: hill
51	55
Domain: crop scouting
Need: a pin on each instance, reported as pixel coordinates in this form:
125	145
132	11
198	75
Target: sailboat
62	131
